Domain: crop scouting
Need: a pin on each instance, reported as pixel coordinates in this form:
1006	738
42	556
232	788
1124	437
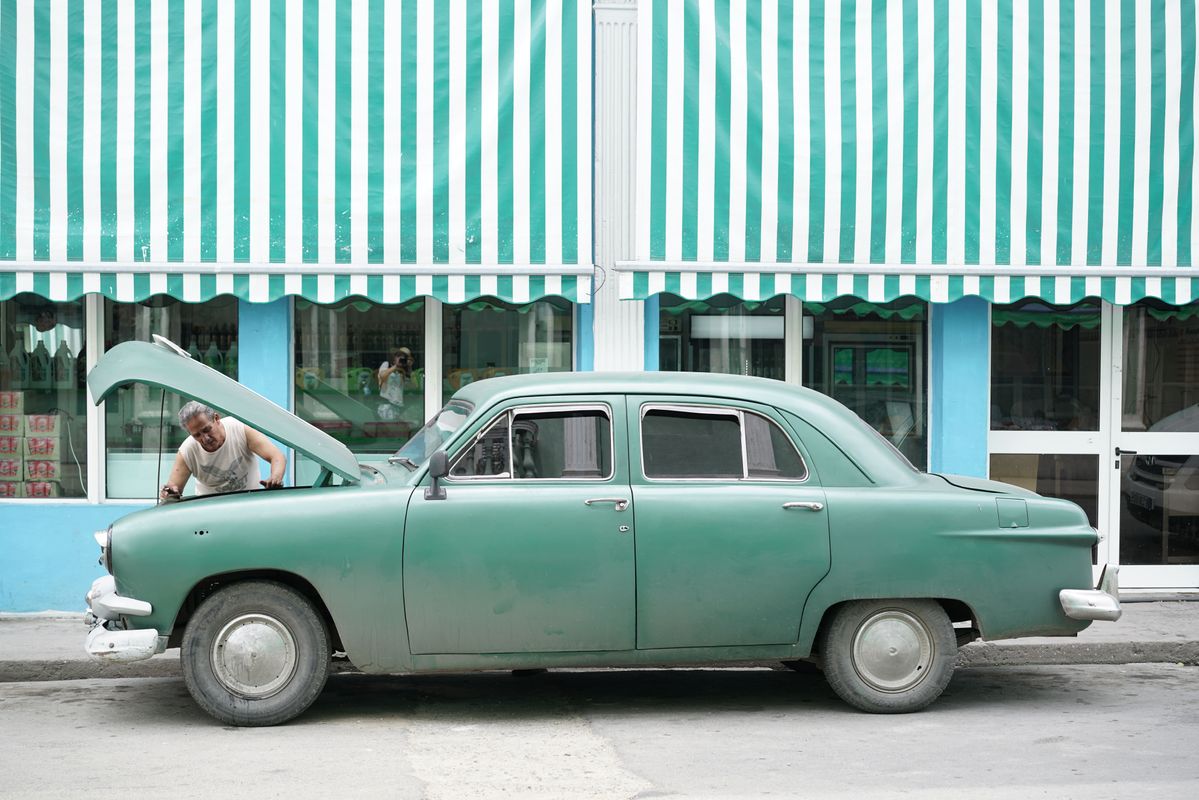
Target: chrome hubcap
254	656
892	651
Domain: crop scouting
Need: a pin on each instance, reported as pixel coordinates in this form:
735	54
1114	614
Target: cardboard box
42	470
11	446
12	424
43	424
40	489
12	468
12	402
10	489
43	447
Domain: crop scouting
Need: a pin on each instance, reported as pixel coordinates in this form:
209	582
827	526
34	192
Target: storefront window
489	338
43	399
360	374
1161	368
871	357
722	334
142	430
1045	367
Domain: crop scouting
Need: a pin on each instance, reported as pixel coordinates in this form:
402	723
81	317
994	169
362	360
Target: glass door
1153	461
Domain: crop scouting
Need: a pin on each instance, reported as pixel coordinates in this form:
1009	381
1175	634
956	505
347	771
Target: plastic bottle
213	357
18	362
231	361
40	375
194	351
64	367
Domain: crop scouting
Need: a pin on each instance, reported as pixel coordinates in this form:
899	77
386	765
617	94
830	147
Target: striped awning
1025	146
319	287
305	147
880	286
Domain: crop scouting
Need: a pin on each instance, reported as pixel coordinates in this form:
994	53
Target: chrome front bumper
1101	603
107	640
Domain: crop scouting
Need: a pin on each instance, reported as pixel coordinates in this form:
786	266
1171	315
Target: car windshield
426	441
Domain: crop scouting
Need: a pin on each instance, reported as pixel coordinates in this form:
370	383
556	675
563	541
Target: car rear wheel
888	656
255	653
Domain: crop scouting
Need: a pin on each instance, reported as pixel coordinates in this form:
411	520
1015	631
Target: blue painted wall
960	387
48	558
652	308
585	337
264	354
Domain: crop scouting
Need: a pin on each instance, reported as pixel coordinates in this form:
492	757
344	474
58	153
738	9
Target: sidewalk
44	647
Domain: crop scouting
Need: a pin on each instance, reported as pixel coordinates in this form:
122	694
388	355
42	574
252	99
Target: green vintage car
585	520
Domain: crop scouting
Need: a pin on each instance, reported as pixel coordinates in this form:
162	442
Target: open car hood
166	366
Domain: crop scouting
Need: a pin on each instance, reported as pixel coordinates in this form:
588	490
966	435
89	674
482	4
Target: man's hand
271	483
170	491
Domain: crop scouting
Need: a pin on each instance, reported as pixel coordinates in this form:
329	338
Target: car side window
546	443
682	442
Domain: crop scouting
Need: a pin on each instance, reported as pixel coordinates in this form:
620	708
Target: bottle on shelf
64	367
40	375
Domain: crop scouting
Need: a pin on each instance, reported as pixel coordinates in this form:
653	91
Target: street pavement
50	646
1081	731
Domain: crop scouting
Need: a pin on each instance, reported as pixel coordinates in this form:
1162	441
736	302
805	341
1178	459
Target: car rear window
715	443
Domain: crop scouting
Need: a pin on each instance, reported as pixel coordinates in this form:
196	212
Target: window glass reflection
871	357
1161	367
139	451
723	335
1045	367
1159	509
360	371
43	399
488	338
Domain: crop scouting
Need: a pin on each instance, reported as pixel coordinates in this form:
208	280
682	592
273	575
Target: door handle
810	505
620	502
1120	452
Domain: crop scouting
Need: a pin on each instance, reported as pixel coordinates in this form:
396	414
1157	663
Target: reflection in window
871	357
489	338
708	444
1045	366
133	434
533	445
1161	367
1159	509
723	335
43	400
360	371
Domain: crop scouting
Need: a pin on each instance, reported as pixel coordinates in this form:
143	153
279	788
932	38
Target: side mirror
439	467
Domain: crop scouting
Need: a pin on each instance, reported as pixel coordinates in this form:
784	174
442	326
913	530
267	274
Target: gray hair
193	408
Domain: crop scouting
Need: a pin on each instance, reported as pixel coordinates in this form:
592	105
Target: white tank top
231	468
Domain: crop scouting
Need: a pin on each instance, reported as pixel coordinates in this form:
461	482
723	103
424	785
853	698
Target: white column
619	325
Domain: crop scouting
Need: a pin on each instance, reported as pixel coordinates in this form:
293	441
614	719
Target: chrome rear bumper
1102	603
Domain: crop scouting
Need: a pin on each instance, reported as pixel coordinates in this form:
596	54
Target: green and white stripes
296	132
1057	133
935	286
388	286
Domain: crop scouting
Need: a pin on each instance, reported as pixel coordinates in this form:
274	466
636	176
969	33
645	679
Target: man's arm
178	479
261	446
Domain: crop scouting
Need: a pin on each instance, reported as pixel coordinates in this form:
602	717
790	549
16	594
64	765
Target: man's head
203	424
402	358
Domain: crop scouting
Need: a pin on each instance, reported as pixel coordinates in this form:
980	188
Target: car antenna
158	474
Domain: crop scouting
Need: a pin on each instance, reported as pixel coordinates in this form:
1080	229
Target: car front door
531	550
732	528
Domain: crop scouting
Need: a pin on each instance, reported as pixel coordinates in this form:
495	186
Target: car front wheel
888	656
255	653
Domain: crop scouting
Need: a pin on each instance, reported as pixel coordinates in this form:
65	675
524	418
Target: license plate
1141	501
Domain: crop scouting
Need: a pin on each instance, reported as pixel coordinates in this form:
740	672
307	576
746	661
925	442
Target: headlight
104	539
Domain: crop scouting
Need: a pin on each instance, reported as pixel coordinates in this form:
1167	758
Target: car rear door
732	528
531	550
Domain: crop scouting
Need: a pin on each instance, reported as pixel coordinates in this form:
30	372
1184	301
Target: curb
977	654
986	654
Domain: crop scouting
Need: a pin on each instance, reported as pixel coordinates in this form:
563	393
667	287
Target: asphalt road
1021	732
